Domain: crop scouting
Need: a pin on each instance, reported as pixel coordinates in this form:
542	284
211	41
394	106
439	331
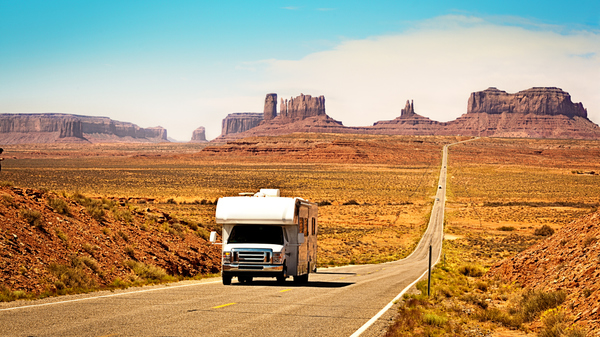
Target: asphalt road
335	301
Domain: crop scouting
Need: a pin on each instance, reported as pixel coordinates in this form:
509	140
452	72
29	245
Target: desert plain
375	195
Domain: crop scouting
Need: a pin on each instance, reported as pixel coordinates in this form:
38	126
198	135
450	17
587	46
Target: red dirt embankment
569	260
36	237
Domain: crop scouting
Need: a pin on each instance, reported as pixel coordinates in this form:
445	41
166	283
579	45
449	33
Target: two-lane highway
335	302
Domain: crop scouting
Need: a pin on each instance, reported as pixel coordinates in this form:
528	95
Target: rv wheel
301	278
281	278
226	280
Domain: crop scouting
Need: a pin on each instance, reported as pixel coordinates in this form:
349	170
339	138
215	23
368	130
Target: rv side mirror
300	238
213	237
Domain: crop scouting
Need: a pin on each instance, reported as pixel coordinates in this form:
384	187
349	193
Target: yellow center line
224	305
284	290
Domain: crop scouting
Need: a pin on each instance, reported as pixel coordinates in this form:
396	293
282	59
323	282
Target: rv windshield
256	234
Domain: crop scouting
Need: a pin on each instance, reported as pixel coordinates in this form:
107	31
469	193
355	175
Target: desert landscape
80	217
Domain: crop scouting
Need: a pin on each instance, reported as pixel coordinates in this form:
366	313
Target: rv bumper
255	270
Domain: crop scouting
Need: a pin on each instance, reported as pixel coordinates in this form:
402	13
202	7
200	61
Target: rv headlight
226	257
278	258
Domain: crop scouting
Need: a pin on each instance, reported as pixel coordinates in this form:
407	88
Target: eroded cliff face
302	107
55	127
239	122
540	101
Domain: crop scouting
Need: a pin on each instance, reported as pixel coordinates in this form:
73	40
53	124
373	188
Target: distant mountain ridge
539	112
58	127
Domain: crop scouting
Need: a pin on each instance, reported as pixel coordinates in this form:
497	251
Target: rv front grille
254	255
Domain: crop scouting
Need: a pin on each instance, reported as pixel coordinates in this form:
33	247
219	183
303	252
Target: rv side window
314	226
256	234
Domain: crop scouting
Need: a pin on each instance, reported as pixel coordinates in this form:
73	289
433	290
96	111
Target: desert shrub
171	201
351	202
534	302
106	231
192	225
6	295
435	320
32	217
149	273
471	270
70	278
94	207
556	323
8	200
589	241
123	235
118	283
61	235
130	252
6	184
407	320
89	248
506	228
96	211
499	316
176	229
483	286
203	233
122	215
59	205
545	230
80	261
324	203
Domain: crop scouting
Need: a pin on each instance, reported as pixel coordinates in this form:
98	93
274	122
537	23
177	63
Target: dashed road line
223	305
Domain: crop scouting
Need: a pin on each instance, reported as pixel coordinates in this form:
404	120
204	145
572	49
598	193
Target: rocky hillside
56	127
55	244
568	260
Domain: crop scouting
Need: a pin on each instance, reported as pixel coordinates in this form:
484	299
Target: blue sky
184	64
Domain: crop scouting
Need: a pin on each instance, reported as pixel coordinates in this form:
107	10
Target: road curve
335	302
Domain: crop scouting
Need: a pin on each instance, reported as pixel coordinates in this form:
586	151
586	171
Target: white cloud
438	64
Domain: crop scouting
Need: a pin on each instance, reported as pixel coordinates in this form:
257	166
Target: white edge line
386	308
111	295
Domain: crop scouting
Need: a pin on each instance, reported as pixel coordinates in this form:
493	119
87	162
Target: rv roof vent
246	194
268	192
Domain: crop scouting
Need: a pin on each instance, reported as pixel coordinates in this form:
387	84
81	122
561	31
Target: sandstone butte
569	260
533	113
56	127
199	135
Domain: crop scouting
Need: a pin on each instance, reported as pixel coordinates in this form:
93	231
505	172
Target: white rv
265	235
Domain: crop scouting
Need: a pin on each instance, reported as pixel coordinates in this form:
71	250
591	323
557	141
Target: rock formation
199	135
240	121
540	101
56	127
270	111
302	107
408	111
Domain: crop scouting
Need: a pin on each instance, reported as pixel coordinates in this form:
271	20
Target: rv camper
265	235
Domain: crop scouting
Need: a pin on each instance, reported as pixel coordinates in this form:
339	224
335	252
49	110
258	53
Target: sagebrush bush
534	302
33	217
471	270
148	272
71	278
545	230
59	205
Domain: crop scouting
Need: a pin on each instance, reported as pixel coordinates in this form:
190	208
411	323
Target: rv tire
226	280
301	278
281	278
